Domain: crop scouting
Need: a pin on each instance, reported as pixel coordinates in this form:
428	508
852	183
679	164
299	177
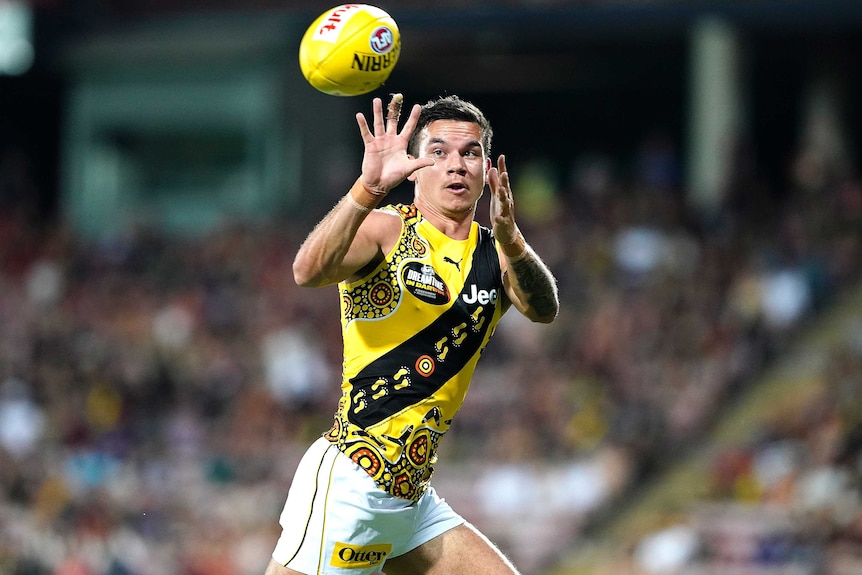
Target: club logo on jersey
423	282
356	557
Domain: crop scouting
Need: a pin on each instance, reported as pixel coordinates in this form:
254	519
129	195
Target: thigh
275	569
459	551
337	520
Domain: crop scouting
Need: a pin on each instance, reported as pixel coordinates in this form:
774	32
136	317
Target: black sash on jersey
465	322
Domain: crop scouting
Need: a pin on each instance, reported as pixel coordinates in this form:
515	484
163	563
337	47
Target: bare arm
353	234
347	239
529	284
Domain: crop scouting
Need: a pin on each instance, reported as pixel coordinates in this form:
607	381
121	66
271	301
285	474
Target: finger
503	191
493	180
412	120
393	111
363	127
419	163
377	106
503	175
504	183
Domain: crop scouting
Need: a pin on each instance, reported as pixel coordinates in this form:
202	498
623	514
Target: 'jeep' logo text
480	296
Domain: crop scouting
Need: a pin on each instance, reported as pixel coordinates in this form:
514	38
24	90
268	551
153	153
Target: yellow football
350	50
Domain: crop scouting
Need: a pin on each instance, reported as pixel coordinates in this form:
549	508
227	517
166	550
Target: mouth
457	187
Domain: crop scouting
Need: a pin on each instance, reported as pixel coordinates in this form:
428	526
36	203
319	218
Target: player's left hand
502	205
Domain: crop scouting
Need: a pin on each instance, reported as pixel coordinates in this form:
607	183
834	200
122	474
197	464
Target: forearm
321	259
531	281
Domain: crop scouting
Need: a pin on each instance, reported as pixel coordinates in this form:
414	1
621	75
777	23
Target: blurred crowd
156	392
787	499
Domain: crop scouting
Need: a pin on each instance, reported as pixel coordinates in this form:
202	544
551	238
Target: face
454	184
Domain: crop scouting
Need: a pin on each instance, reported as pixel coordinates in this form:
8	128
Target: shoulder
385	225
386	218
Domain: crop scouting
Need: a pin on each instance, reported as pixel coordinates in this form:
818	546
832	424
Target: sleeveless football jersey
413	331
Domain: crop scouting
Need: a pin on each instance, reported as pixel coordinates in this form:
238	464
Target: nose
456	164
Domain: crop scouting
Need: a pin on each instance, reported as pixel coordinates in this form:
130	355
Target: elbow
541	315
302	281
545	309
547	317
304	276
540	308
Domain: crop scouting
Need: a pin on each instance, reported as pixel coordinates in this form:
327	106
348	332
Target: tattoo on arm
537	283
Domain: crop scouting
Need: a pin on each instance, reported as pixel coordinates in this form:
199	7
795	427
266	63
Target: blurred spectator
297	372
22	422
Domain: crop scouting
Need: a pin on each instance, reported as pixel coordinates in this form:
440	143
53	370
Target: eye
437	152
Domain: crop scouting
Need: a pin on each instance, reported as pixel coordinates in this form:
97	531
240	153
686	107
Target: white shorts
337	521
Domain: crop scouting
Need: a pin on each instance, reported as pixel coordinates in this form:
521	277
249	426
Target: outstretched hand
502	206
385	163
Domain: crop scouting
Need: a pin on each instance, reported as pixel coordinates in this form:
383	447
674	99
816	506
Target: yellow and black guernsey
413	330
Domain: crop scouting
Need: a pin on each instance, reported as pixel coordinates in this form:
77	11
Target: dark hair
450	108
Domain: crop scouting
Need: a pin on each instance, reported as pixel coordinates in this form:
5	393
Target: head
457	136
450	108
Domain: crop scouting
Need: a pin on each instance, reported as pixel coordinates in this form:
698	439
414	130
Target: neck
456	225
